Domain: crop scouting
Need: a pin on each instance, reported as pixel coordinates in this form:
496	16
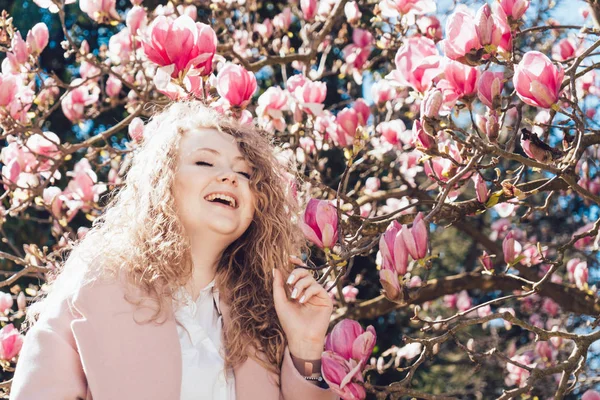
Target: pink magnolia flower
382	91
537	81
310	96
49	4
481	188
136	129
417	63
511	248
393	250
136	19
514	8
486	260
352	12
283	20
394	132
489	89
37	38
395	8
517	375
11	342
591	395
461	34
420	138
101	11
347	124
309	9
430	26
83	190
319	223
580	275
416	238
459	81
363	111
265	29
52	199
270	106
6	302
349	340
236	85
564	49
489	125
431	104
372	184
74	103
113	86
180	45
463	301
341	375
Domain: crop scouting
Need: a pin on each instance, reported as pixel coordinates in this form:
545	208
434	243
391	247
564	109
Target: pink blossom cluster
396	244
347	349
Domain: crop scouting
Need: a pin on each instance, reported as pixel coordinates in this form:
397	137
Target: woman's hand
305	316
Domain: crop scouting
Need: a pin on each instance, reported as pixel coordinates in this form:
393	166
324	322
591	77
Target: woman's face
210	162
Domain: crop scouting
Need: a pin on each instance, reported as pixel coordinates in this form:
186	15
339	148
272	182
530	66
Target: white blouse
199	326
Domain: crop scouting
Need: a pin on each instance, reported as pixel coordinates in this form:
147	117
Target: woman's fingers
300	285
297	274
311	291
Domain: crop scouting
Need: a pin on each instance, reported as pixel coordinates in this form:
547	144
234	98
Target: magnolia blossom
383	91
489	89
136	129
349	340
417	63
101	11
236	85
514	8
537	81
460	81
271	105
347	123
6	302
50	5
136	19
37	38
591	395
564	49
319	223
74	103
394	132
341	375
310	96
309	9
511	248
430	26
352	12
180	45
11	342
395	8
480	188
83	190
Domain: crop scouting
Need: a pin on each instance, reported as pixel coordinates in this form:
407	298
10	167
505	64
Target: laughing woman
181	290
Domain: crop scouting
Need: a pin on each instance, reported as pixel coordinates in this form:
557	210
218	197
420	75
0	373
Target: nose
230	176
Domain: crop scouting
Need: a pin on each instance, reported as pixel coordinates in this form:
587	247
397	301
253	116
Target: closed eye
247	175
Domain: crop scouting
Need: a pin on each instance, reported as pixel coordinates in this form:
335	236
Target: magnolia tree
447	158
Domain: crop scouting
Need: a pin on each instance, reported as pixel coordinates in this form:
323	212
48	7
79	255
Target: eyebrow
216	152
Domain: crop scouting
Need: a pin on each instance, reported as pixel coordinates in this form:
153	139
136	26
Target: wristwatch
309	370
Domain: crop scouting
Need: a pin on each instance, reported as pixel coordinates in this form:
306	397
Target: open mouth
223	200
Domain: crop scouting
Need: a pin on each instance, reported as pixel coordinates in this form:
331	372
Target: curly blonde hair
140	235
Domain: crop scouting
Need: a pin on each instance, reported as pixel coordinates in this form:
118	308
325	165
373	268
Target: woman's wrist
306	367
306	350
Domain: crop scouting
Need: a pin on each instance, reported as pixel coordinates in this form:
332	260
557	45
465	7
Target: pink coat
91	348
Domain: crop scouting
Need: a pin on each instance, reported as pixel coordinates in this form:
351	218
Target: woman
199	239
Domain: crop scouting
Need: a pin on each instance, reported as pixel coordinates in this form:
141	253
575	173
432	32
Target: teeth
213	196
